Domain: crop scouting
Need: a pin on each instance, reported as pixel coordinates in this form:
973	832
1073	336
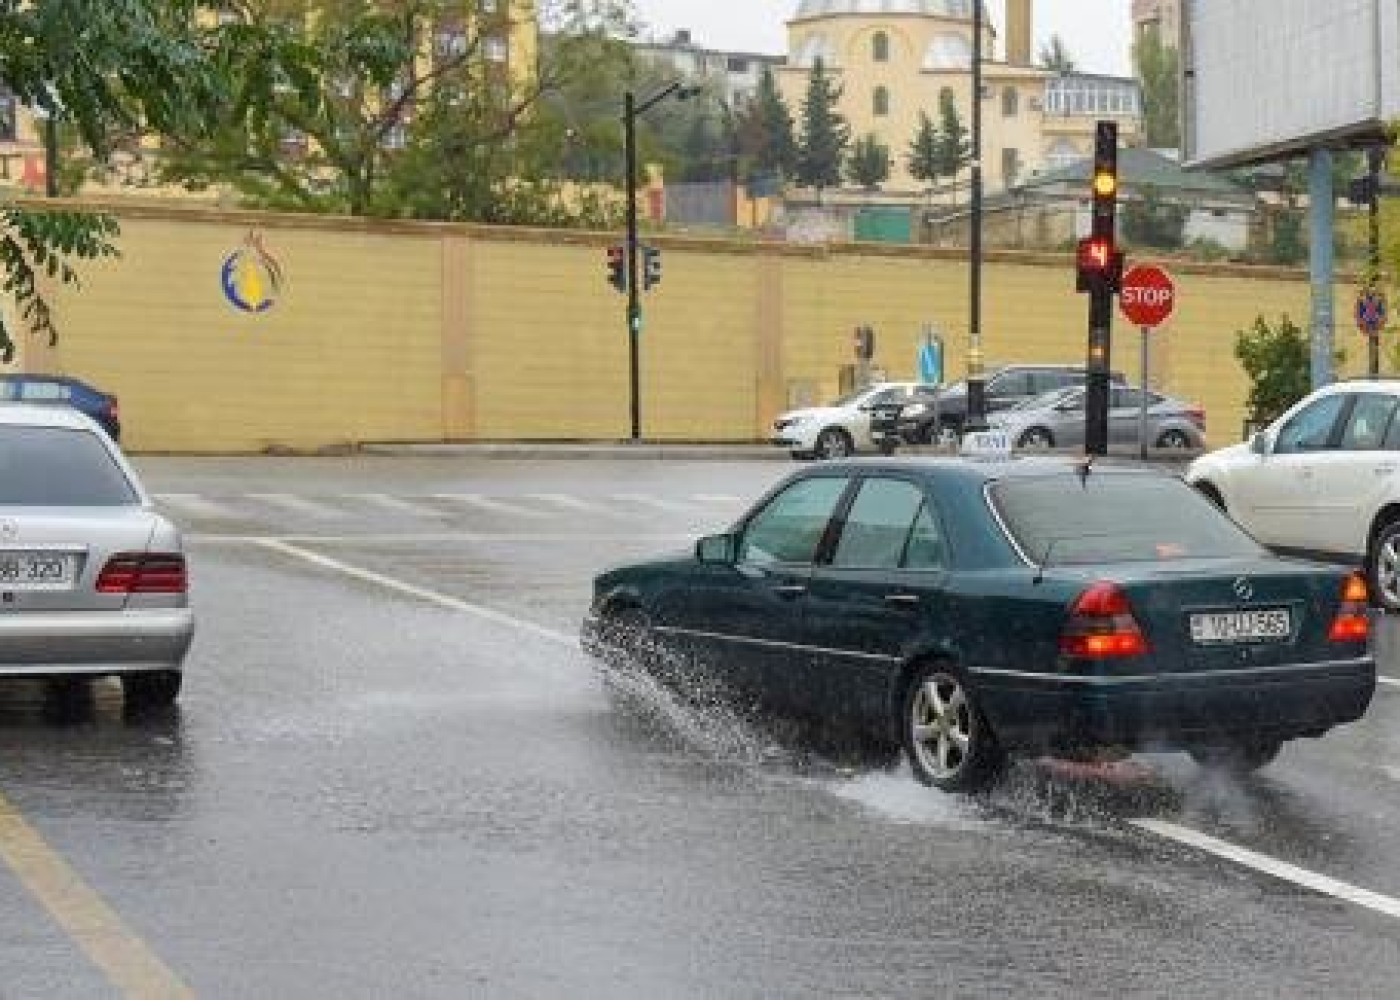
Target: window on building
489	6
1010	166
1010	102
496	49
451	42
880	47
737	64
881	102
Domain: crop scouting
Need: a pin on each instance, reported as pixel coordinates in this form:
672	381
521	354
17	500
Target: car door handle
906	600
790	590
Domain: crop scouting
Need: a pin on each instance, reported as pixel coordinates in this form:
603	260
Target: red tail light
1353	621
1197	415
1101	626
144	573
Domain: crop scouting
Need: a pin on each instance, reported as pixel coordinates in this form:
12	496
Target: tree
922	160
825	134
1156	65
1055	56
1149	221
954	149
107	67
1276	359
870	162
764	132
344	86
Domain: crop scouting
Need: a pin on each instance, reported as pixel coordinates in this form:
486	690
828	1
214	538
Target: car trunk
1210	614
83	538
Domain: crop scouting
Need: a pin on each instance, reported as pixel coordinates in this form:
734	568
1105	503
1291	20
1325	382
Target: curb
534	452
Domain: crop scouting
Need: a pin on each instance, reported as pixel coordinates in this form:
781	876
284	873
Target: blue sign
1370	312
931	362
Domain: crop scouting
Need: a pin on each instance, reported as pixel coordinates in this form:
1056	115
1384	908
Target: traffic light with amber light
1099	263
617	267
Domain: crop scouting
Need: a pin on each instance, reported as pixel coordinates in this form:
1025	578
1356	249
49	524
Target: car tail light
1353	621
144	573
1101	626
1197	415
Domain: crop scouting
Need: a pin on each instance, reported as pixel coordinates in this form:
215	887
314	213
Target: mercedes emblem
9	530
1243	589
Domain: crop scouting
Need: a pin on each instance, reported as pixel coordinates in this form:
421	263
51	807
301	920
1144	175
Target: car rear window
1068	520
59	467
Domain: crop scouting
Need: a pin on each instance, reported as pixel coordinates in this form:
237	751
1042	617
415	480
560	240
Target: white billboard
1266	79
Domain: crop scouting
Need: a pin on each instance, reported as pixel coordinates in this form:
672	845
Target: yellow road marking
93	925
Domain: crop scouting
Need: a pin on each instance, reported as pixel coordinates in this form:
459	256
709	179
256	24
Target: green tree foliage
764	130
1276	360
1157	67
954	147
870	162
107	67
1150	221
922	159
1055	56
825	135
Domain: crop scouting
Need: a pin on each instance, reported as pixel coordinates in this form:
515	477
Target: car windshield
1068	520
1045	400
59	467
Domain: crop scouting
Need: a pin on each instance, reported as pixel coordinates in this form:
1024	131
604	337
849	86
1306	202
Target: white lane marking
192	503
656	503
1388	681
398	505
296	504
422	593
1387	905
570	502
724	500
490	504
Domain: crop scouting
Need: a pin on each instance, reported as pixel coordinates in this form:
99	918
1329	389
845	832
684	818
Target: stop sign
1148	295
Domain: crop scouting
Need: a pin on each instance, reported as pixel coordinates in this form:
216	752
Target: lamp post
631	108
976	387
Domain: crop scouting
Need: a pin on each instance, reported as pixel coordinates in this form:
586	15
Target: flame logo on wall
252	278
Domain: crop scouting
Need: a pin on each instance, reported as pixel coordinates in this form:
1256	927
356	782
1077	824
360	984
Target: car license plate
36	570
1265	625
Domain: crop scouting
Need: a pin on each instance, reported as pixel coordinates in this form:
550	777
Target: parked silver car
92	579
1056	420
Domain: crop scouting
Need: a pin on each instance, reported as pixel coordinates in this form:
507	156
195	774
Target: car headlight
914	410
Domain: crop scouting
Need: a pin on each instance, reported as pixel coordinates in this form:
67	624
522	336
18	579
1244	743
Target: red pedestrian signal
617	267
1099	265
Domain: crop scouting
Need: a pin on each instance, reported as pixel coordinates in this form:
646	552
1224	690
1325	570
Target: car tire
888	448
945	736
1173	440
1036	438
156	689
623	636
801	456
1383	567
1240	758
834	443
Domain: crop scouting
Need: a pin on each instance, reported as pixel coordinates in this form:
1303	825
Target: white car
842	427
1322	481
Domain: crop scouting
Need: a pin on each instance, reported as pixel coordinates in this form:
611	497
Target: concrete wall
396	331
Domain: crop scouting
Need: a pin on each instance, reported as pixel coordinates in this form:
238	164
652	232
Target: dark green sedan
968	610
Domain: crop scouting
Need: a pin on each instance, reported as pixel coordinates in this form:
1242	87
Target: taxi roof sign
986	444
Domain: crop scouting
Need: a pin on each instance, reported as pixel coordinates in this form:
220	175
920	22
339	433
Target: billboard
1268	79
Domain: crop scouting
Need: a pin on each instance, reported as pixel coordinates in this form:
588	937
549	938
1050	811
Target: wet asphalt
394	774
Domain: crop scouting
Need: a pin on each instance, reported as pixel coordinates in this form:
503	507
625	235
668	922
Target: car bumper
94	642
1174	711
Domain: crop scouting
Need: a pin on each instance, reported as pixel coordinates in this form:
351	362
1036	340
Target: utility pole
976	386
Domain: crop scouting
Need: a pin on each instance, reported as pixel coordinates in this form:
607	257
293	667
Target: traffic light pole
976	385
634	301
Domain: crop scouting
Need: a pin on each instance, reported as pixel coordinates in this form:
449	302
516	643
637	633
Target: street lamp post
631	108
976	387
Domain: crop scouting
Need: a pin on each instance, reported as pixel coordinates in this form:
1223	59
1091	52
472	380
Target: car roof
980	471
41	415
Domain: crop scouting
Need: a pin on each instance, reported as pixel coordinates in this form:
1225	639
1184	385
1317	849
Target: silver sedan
1056	420
92	578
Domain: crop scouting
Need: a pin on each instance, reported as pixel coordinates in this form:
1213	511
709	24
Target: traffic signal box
617	267
651	271
1099	271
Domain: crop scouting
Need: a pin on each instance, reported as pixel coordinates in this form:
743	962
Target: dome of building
934	8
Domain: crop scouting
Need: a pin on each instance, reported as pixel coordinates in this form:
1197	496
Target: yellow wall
399	331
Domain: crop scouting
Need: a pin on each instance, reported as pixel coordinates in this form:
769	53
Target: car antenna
1084	468
1040	567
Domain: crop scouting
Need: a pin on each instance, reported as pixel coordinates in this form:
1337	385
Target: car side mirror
716	549
1259	444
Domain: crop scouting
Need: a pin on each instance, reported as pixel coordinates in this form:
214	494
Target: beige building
893	59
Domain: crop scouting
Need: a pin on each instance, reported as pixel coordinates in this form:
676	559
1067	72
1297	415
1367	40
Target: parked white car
1323	481
842	427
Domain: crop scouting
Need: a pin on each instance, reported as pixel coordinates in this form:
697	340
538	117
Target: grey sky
1097	32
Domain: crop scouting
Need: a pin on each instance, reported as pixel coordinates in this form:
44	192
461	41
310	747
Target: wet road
393	774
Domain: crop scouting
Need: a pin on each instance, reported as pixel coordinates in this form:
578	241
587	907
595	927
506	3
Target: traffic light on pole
617	267
1099	263
651	273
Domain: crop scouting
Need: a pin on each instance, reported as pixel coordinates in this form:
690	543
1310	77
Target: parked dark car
922	420
969	609
30	388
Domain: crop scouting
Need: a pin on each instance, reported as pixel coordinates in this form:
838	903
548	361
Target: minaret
1018	32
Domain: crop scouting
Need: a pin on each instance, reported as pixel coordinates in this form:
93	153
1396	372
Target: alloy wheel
833	443
941	726
1174	440
1037	438
1385	570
